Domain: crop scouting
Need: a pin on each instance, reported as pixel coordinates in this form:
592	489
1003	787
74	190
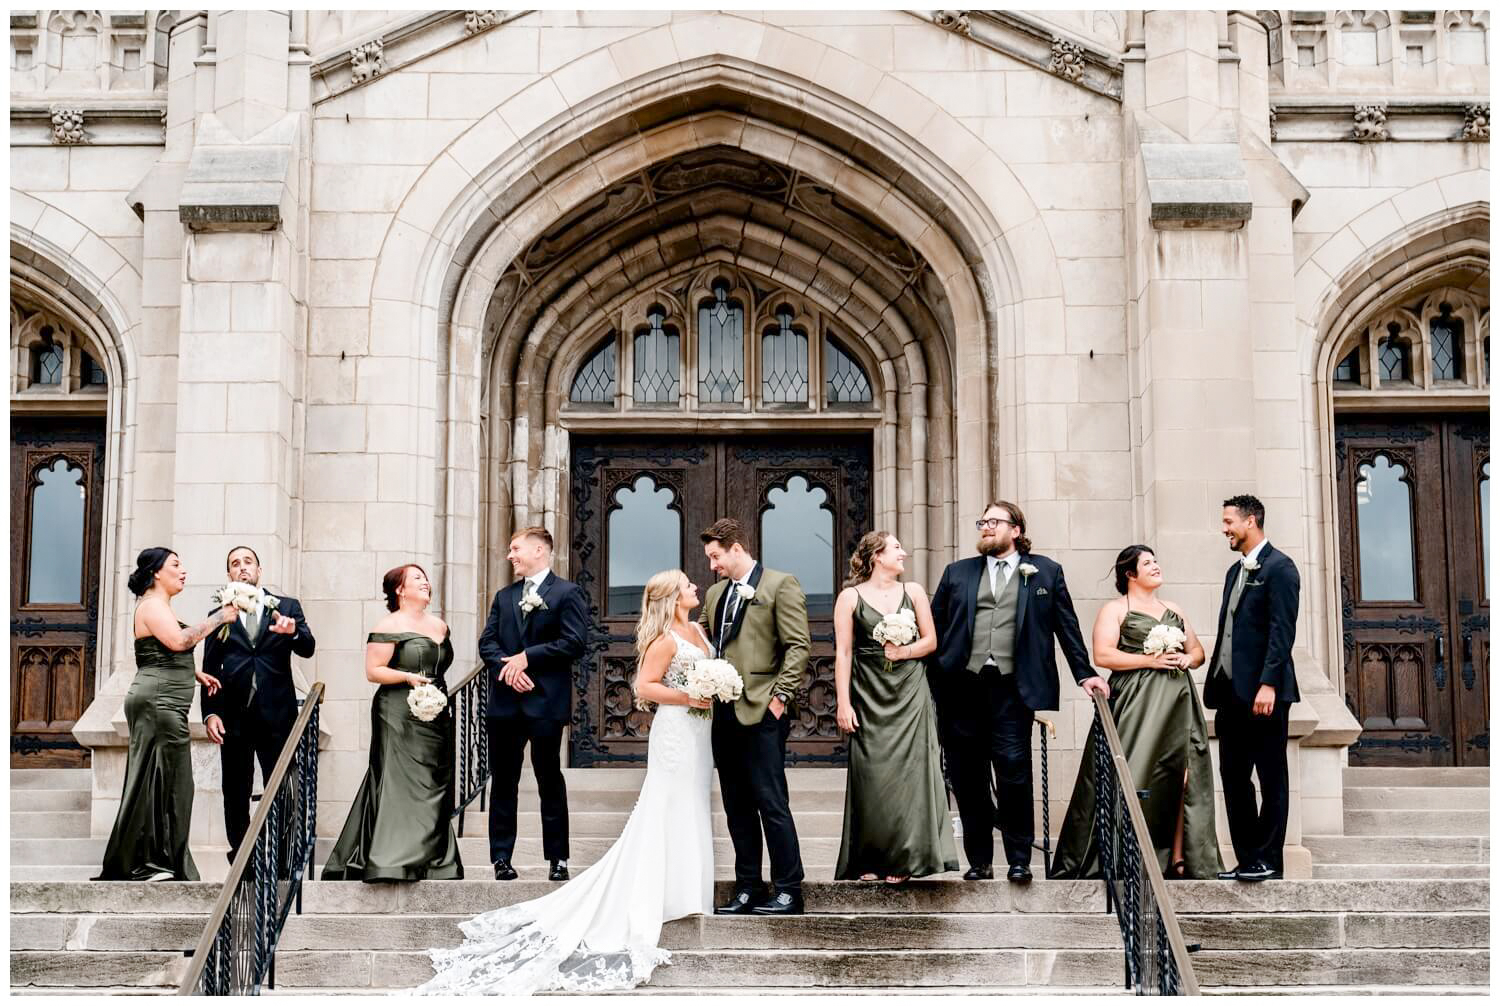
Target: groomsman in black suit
997	615
251	715
1251	685
536	632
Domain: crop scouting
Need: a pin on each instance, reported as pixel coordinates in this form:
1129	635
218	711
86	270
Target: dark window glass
845	381
1486	359
796	534
1395	356
57	508
721	347
594	384
1348	368
783	363
47	362
656	360
1446	333
90	371
645	537
1484	524
1387	567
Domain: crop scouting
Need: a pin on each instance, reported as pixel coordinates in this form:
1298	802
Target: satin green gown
896	821
150	835
400	826
1162	731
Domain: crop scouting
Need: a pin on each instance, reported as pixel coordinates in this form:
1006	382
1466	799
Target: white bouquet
898	628
715	680
1164	639
245	597
426	702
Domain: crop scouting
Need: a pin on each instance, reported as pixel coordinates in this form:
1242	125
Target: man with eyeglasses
997	615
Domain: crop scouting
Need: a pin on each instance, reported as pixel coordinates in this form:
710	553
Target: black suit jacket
255	679
553	638
1044	611
1265	627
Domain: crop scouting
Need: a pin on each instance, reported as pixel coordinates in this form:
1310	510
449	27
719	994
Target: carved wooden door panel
1468	464
639	506
57	478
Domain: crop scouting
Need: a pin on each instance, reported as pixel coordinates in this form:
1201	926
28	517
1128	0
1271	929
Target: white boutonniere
745	591
1026	570
1250	564
531	601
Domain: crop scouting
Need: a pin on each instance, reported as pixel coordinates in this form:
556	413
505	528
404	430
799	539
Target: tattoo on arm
200	630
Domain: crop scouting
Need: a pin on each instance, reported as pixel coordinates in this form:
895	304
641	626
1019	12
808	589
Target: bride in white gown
600	932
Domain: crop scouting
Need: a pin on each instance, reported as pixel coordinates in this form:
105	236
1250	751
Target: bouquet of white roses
426	702
245	597
899	628
1164	639
715	680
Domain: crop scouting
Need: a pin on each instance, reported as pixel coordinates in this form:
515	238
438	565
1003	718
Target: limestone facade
341	269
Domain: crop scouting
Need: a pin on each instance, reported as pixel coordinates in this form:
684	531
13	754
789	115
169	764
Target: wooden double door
56	504
639	505
1414	538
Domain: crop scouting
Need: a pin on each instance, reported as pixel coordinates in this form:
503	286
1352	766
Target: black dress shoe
785	903
504	871
985	872
559	870
1256	872
743	901
1019	874
1233	874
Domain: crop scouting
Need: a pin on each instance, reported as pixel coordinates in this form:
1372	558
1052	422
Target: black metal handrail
467	701
1044	728
237	952
1156	958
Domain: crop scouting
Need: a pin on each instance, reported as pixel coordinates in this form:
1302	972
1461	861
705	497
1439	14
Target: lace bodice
688	653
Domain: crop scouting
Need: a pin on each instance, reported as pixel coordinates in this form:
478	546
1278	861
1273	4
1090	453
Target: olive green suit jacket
768	644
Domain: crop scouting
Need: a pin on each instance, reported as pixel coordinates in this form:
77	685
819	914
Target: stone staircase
1367	933
1427	823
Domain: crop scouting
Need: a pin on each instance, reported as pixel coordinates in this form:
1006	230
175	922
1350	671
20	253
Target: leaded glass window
845	381
783	360
721	347
55	575
47	363
796	534
645	535
594	384
657	360
1395	355
89	371
1387	563
1348	368
1486	359
1446	334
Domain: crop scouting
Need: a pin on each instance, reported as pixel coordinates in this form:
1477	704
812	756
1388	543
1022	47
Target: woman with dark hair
896	822
400	826
1149	648
149	840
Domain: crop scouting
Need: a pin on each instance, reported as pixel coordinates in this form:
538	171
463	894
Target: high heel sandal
894	881
1177	869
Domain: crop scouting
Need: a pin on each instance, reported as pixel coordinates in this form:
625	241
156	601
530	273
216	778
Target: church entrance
638	506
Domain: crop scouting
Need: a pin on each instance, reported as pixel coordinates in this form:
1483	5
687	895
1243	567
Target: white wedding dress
600	932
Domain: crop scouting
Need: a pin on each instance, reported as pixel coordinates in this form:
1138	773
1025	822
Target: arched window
58	505
90	374
721	347
1446	336
47	361
1348	369
783	360
594	384
1395	355
1387	559
657	360
845	380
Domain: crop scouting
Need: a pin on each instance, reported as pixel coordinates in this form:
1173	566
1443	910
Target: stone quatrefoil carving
1067	59
367	61
1477	123
1369	123
476	21
67	125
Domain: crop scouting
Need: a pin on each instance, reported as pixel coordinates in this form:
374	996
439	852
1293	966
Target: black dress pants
988	729
508	738
1254	743
752	782
250	741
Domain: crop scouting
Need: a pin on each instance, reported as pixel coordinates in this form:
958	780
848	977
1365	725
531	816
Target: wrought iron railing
467	701
1156	958
1044	729
236	954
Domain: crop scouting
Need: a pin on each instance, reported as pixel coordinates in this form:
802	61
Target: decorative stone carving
476	21
1273	123
1369	123
953	20
1477	123
367	61
1067	59
67	125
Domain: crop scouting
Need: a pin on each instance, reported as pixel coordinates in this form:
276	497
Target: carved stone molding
67	125
1369	124
953	20
1477	123
1273	123
1067	59
367	61
1036	43
476	21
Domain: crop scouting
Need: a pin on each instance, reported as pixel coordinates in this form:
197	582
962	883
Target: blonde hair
658	609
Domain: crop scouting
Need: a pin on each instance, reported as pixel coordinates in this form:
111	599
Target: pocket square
1040	591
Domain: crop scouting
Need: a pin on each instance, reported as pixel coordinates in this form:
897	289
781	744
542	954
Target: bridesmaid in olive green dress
1162	731
149	840
400	826
896	822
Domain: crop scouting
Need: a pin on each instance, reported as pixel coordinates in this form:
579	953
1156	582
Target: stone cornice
1381	120
105	121
395	46
1034	42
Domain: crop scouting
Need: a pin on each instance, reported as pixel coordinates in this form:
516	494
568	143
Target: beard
990	546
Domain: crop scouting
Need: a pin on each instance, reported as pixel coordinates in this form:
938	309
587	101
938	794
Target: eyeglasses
991	523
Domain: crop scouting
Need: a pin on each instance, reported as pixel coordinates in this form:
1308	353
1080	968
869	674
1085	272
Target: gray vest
995	623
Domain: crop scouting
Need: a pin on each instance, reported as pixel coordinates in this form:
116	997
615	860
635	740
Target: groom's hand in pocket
777	707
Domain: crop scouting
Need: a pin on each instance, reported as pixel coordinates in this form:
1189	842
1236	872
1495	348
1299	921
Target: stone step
474	851
212	866
1412	871
49	824
97	969
608	824
623	801
947	990
52	778
1362	775
589	780
1397	848
1415	798
1416	822
39	800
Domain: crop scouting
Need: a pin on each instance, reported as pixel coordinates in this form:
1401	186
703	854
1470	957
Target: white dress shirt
993	564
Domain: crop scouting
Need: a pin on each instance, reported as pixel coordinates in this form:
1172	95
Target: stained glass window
47	363
656	360
845	381
594	384
1348	368
783	360
721	347
1395	355
1446	334
1387	567
57	508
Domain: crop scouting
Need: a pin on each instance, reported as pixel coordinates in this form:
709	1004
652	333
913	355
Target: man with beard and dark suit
997	615
537	630
250	717
1251	686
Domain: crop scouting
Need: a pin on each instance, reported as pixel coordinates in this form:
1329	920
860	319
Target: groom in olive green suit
757	620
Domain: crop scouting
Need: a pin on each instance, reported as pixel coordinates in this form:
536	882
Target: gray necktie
252	623
730	610
1226	649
